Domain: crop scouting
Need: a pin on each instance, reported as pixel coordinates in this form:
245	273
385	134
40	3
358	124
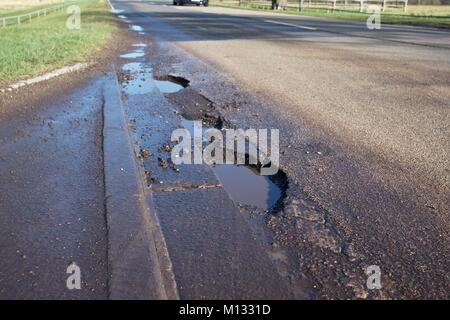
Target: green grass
45	44
438	16
423	10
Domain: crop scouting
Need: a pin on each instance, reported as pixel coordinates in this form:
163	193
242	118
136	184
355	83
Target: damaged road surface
89	179
212	249
363	118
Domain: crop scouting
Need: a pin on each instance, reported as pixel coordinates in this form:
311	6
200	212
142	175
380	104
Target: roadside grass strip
31	49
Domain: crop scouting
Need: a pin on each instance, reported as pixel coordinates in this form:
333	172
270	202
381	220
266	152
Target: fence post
38	14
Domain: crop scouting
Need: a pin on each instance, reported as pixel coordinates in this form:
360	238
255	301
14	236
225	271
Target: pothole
246	186
171	84
244	182
208	122
136	78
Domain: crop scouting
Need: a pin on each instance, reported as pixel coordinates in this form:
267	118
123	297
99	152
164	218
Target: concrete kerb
138	262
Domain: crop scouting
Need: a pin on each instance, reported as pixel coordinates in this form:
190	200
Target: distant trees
428	2
278	4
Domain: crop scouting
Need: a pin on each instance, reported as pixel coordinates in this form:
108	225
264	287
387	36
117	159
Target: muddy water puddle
138	78
138	52
133	55
246	186
136	28
171	84
244	183
167	86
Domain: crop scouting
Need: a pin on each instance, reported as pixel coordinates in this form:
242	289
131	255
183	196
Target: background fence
29	16
392	6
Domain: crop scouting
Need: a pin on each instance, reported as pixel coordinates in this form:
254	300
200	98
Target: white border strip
47	76
110	4
290	25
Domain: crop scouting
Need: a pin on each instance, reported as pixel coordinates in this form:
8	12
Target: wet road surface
52	198
364	161
363	121
213	251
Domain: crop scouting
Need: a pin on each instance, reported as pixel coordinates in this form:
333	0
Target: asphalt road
364	133
364	141
392	83
52	197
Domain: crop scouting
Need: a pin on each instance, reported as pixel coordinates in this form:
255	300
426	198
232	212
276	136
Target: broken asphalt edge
139	266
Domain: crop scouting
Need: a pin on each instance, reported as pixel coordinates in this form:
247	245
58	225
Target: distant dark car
196	2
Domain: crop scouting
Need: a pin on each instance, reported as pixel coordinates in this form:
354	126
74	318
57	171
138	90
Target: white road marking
290	24
385	27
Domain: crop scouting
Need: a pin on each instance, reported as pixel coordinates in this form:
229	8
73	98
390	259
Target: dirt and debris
124	77
194	106
184	186
167	147
144	153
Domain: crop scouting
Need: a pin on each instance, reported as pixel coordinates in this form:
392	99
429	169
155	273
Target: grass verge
23	9
417	15
46	43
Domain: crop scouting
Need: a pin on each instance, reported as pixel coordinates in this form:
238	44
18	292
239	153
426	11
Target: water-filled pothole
244	183
136	79
171	84
246	186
